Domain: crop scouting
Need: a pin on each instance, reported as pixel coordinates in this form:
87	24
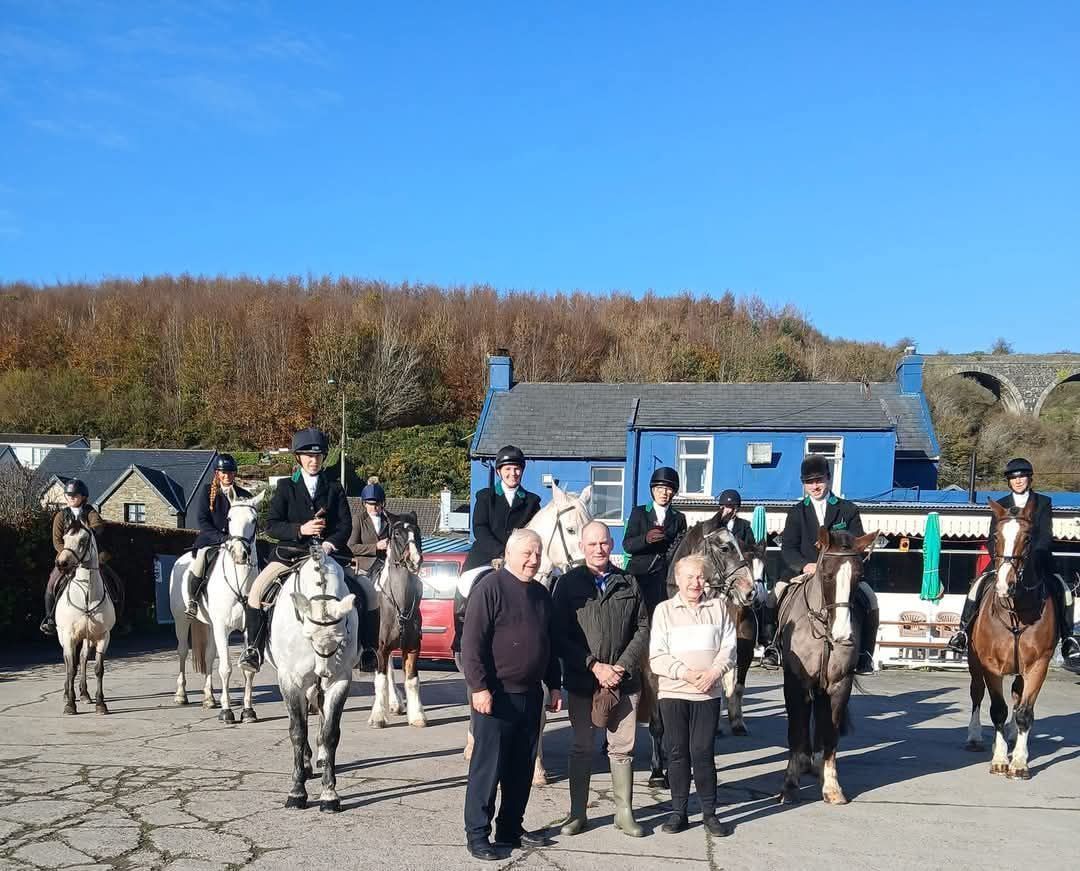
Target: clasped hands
702	680
608	676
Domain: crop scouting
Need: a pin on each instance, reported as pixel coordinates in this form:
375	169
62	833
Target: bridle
318	558
236	587
820	617
558	528
724	584
82	562
401	561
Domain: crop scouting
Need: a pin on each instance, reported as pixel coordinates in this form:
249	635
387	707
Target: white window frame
37	456
837	457
127	512
622	490
681	457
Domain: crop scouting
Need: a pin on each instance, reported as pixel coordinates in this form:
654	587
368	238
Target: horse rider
212	505
818	508
1019	473
730	502
308	508
601	634
78	510
497	511
652	532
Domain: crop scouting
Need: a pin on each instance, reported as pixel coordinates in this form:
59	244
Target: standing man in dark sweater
506	652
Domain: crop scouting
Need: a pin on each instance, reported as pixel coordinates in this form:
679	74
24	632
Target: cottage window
607	494
833	451
37	456
695	465
135	512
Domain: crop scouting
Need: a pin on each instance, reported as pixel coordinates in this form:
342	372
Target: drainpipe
971	477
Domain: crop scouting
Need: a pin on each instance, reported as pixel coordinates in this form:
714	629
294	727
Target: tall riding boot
580	771
622	790
868	642
770	657
48	625
959	641
255	626
192	586
1070	647
369	638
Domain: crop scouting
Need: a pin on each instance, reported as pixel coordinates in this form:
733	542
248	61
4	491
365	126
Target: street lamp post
331	381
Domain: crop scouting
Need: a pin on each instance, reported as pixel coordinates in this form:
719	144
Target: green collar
518	496
830	499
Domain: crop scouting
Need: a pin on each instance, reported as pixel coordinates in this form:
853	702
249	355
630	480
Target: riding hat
310	441
1018	467
76	487
814	467
509	456
373	491
225	463
730	499
665	475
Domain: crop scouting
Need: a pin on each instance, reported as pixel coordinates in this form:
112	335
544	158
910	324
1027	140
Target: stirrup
1070	650
770	658
191	610
48	626
959	642
250	660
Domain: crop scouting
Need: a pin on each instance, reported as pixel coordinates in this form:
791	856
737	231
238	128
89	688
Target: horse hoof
181	700
540	777
1019	774
248	715
399	710
70	709
419	724
227	716
975	746
296	802
102	708
740	731
330	807
999	768
85	697
835	797
658	781
209	704
789	795
377	724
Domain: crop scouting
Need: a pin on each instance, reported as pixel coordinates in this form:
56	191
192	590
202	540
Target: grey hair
687	561
519	536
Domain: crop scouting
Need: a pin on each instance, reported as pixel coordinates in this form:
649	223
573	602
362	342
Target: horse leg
828	723
296	702
798	713
70	667
181	627
540	776
99	672
209	701
977	691
379	707
410	662
736	685
999	712
657	778
1013	730
394	703
1024	713
84	657
333	705
248	715
221	642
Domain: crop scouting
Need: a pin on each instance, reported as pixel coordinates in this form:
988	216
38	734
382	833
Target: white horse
220	614
84	615
314	645
559	525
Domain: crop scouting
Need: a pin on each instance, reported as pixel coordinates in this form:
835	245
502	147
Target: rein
84	561
569	564
403	617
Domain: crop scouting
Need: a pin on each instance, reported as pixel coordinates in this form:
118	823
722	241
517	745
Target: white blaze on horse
314	646
559	525
220	613
84	616
400	591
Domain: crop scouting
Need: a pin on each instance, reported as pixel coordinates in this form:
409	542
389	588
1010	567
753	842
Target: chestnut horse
1014	632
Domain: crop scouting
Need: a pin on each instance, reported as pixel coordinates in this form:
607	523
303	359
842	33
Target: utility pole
332	381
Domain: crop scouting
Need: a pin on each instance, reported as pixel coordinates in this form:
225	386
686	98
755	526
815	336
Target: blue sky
891	169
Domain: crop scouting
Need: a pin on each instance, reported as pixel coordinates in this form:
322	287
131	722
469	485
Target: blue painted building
753	437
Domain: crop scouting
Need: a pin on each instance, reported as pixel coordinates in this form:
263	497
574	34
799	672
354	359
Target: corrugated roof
590	420
445	544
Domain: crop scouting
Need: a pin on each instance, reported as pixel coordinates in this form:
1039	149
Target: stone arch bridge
1022	381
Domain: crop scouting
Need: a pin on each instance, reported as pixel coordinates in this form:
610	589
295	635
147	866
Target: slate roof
28	438
174	474
589	420
426	510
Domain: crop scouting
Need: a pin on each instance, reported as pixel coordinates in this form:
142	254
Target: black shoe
959	642
368	660
1070	650
250	660
715	826
675	824
528	840
865	664
770	658
483	850
48	626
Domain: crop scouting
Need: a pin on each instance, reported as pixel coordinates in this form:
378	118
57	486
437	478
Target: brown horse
1015	632
818	634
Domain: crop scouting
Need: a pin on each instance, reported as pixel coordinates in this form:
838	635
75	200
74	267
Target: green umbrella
931	576
757	523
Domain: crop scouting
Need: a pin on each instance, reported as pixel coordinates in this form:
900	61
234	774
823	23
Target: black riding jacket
292	506
798	545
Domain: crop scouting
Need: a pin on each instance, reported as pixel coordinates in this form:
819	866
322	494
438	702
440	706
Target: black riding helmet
730	499
509	455
310	441
814	467
75	487
665	475
1018	467
225	463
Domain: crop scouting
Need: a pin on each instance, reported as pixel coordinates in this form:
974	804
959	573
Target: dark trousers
689	728
504	752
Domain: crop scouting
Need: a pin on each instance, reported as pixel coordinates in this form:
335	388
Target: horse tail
200	637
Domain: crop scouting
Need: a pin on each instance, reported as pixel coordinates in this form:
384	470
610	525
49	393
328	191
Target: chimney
95	446
909	371
500	370
444	509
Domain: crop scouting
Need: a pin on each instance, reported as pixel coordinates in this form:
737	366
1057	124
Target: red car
439	572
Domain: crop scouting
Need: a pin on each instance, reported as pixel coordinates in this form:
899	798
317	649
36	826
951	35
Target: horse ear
586	495
823	539
255	502
865	541
1000	512
338	610
557	492
301	604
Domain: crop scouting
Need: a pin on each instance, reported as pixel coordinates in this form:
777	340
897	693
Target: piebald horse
220	613
84	616
1014	632
559	525
818	640
314	647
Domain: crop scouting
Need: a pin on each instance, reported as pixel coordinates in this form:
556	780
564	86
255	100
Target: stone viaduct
1022	381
